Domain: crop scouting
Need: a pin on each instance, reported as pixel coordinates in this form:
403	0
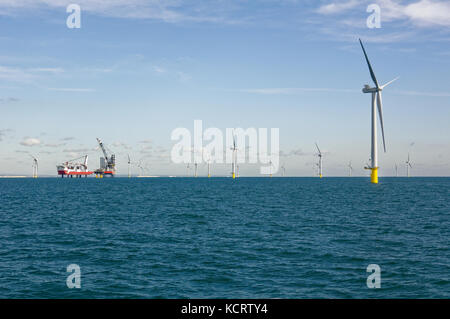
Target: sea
222	238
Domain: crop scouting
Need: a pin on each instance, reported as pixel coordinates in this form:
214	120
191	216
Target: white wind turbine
376	102
270	165
283	170
35	166
408	166
320	155
350	169
396	170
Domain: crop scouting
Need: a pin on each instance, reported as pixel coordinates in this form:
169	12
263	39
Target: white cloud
421	12
338	7
30	142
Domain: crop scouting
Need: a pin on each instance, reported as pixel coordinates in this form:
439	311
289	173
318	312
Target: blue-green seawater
219	238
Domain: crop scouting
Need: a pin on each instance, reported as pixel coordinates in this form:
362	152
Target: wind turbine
271	164
188	170
283	170
234	149
396	170
129	166
207	157
376	102
35	166
320	160
350	167
408	166
141	169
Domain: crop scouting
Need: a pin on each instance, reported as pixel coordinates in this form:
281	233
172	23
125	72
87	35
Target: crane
107	164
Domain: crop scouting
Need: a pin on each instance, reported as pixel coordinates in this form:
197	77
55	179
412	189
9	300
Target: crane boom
103	149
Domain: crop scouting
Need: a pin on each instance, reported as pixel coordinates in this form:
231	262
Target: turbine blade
383	86
372	74
318	149
380	114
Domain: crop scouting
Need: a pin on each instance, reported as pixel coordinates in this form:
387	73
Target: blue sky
136	70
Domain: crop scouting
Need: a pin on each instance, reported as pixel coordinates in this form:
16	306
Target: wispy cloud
293	91
338	7
72	89
172	11
9	100
426	94
48	70
274	91
15	74
3	133
54	145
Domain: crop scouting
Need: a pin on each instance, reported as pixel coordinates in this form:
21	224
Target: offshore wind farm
223	150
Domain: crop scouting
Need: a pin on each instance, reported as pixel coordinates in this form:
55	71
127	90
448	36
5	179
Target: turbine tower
320	160
234	159
408	166
376	102
350	169
271	164
283	170
396	170
188	170
209	168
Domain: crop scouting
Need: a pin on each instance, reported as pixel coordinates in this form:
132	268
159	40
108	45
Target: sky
136	70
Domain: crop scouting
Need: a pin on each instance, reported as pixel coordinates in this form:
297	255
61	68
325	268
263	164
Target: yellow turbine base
374	176
320	175
234	176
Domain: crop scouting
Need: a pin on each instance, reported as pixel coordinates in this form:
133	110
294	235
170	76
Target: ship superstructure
74	168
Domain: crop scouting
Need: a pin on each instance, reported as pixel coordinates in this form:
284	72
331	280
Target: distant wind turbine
188	170
408	166
376	102
320	155
129	166
350	169
35	166
234	160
